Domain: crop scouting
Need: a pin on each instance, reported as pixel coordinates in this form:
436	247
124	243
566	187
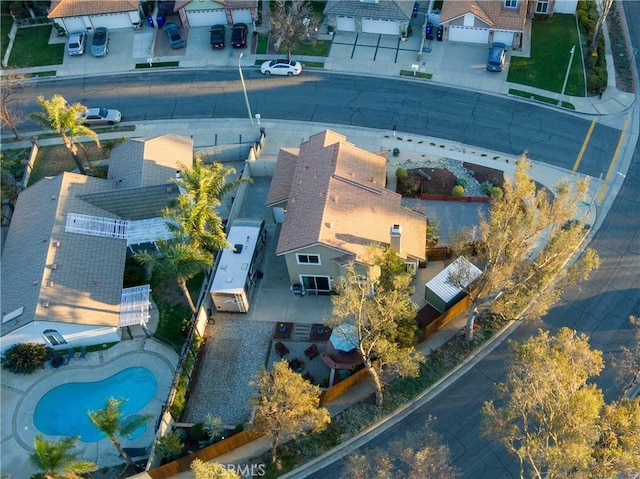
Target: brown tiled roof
491	12
282	176
338	198
74	8
233	4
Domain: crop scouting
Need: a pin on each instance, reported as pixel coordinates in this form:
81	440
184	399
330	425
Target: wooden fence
206	454
343	386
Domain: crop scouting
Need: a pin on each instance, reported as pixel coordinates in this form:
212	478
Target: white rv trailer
238	267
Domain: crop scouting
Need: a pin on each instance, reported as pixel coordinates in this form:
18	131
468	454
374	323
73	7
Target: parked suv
497	55
239	33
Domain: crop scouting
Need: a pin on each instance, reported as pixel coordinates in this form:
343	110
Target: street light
566	77
244	88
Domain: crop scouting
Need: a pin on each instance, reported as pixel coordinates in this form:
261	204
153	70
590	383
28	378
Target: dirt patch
441	181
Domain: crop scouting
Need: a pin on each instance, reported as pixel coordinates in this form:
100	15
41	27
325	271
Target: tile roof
154	161
337	197
492	12
223	3
384	9
87	283
74	8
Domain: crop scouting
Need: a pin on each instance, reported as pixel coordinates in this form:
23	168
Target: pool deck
21	393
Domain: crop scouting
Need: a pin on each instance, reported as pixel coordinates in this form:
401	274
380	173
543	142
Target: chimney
395	239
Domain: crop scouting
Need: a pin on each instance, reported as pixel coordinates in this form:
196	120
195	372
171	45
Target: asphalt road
473	118
601	309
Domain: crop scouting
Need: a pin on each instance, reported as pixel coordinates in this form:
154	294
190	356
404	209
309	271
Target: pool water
63	410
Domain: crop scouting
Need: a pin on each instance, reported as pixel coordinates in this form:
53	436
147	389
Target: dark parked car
217	36
174	36
497	56
100	42
239	33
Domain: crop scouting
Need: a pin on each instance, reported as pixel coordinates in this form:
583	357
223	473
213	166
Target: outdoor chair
70	354
83	353
312	351
281	349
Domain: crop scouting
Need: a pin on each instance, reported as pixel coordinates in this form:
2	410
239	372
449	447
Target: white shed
440	293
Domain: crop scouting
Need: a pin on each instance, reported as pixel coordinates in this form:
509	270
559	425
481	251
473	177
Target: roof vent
50	284
45	239
53	266
35	281
57	244
237	248
44	304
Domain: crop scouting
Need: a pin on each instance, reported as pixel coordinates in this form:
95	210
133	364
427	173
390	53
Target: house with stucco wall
64	256
332	200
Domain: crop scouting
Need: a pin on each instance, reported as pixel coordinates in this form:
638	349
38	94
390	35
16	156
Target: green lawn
550	52
5	26
32	49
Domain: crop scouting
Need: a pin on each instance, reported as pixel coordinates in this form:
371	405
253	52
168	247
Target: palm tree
179	260
62	118
109	420
193	214
56	460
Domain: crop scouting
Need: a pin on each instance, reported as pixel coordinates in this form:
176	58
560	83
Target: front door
316	284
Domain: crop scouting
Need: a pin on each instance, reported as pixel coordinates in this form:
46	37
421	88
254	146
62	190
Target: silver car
100	42
75	45
100	116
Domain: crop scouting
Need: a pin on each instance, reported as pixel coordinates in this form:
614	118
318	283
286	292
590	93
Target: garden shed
440	293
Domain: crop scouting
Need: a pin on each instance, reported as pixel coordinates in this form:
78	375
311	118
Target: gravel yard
236	351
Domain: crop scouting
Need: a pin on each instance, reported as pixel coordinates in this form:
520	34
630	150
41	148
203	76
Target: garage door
386	27
346	24
503	37
204	18
242	16
468	34
112	21
74	24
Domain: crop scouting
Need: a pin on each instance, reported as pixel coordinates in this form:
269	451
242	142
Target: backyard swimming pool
63	410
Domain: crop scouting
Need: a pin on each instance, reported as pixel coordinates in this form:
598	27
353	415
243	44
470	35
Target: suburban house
488	21
83	15
331	199
63	260
205	13
369	16
485	21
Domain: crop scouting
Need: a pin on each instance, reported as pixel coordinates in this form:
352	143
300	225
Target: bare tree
604	6
12	103
292	22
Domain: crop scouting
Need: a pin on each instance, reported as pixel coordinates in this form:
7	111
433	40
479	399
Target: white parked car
99	116
76	42
281	67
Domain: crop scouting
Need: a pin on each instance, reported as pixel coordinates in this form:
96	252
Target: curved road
601	309
487	121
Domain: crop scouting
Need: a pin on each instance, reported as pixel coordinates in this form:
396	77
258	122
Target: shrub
496	193
135	273
461	182
396	151
197	433
401	173
212	426
25	358
486	187
170	446
595	83
457	190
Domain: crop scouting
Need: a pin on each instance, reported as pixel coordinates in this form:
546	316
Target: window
510	3
308	258
542	6
53	337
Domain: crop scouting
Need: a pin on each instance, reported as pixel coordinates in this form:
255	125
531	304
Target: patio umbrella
344	337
